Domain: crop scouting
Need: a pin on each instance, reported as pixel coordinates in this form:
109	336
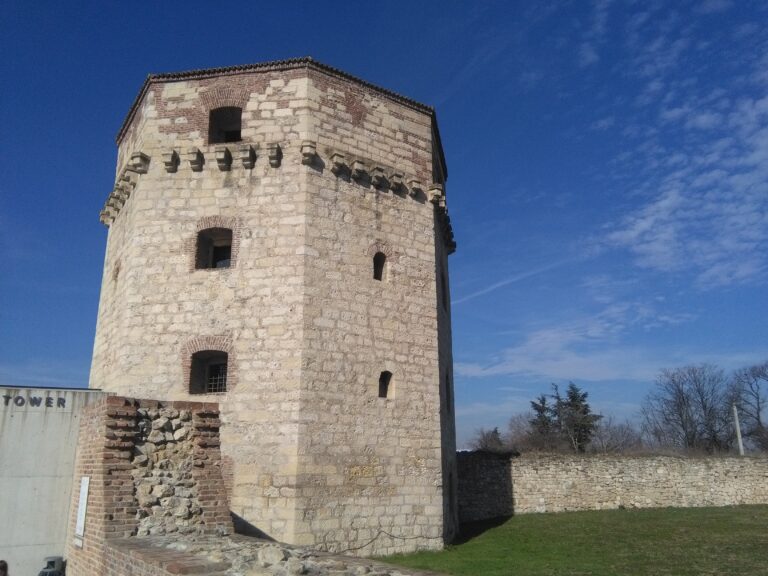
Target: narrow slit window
379	261
385	381
443	290
208	372
214	248
225	125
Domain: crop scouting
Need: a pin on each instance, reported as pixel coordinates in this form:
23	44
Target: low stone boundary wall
485	485
557	483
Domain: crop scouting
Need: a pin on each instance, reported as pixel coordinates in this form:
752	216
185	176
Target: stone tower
278	244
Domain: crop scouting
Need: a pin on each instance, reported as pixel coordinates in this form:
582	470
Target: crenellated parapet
363	172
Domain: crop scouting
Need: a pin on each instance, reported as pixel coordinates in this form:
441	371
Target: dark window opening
208	373
384	381
379	260
225	125
214	248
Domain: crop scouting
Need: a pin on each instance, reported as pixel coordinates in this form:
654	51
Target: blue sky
608	169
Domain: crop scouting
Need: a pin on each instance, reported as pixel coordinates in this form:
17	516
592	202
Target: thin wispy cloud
595	35
588	348
705	212
512	280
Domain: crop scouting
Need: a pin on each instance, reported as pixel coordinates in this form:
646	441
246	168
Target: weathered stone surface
561	482
272	555
310	449
243	556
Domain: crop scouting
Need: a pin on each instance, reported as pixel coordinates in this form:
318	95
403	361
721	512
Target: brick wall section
557	483
106	448
139	557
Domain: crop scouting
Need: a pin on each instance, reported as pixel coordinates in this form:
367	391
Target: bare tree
519	432
752	387
615	437
690	409
488	440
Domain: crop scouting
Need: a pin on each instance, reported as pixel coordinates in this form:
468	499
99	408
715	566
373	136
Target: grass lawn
662	541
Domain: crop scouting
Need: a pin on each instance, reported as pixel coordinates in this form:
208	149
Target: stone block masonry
323	174
559	483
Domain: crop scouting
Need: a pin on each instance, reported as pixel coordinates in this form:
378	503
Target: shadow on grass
470	530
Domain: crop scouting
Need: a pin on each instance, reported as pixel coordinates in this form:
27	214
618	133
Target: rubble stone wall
557	483
154	468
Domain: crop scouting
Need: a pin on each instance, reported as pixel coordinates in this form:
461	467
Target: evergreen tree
575	420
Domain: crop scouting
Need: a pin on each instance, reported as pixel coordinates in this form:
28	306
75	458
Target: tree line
690	409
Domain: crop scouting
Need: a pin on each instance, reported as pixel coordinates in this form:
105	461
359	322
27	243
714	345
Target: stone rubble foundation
235	555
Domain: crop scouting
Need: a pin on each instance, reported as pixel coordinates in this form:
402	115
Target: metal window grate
216	380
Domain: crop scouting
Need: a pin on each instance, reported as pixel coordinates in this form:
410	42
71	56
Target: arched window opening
379	261
385	381
208	373
214	248
225	125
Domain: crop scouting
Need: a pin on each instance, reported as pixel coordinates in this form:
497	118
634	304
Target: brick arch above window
221	96
219	343
216	221
384	248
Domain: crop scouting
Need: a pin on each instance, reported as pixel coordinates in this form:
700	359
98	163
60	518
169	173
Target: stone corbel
359	171
195	159
123	191
338	164
171	161
435	193
106	216
275	154
247	156
139	162
379	179
308	153
414	187
128	178
223	158
113	203
396	181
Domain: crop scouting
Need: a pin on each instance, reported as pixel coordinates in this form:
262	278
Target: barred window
208	373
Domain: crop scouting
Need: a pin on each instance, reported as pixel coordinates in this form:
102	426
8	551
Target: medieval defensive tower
278	244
